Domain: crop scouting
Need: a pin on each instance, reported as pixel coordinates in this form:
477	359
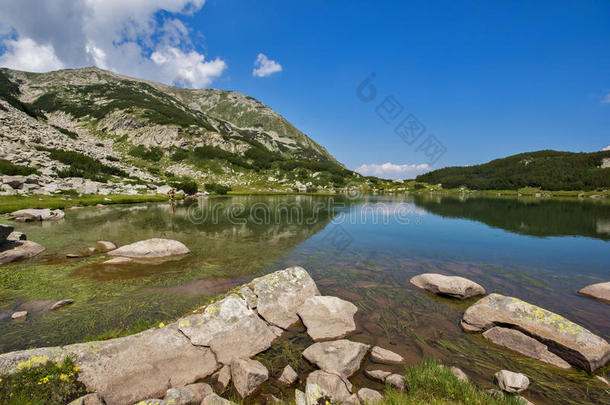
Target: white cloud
25	54
607	148
119	35
263	66
393	171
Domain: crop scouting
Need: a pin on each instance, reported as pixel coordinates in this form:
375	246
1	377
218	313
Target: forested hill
547	169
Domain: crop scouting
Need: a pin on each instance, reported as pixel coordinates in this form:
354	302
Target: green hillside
546	169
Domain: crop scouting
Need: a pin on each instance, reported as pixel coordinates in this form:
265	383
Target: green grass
82	165
48	384
14	203
10	169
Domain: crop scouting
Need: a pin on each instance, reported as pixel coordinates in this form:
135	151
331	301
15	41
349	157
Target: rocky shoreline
179	363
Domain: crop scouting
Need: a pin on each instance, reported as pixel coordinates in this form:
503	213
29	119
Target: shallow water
363	249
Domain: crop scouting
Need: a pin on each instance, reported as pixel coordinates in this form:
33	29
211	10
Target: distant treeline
547	169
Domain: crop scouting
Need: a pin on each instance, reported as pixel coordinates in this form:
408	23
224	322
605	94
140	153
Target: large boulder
328	317
128	369
248	375
511	382
5	231
570	341
599	291
320	384
282	293
229	328
521	343
151	248
341	357
31	214
11	251
450	286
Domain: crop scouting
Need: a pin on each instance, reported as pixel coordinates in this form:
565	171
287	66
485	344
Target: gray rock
30	214
152	401
570	341
377	374
151	248
222	378
511	382
5	231
321	383
369	396
61	303
521	343
229	328
17	236
328	317
300	398
105	245
452	286
247	375
384	356
282	293
19	314
397	381
460	375
191	394
11	251
342	357
214	399
89	399
599	291
72	256
289	376
118	260
15	182
247	294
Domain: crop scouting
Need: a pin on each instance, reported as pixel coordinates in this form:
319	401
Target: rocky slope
147	134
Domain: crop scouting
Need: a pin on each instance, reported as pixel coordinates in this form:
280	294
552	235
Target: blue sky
487	79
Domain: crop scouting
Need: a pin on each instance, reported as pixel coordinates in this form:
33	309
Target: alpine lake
360	248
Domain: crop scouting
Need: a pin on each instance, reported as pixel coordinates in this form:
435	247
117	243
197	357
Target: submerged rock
451	286
229	328
11	251
19	314
384	356
151	248
511	382
521	343
328	317
570	341
247	375
599	291
118	260
289	376
282	293
342	357
61	303
377	374
321	383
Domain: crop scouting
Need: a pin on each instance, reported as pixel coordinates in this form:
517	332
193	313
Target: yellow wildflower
64	377
161	325
76	369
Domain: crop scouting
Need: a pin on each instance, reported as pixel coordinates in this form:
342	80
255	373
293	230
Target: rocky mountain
93	126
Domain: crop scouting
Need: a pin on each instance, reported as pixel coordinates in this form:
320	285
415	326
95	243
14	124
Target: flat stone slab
450	286
341	357
384	356
599	291
519	342
282	293
229	328
328	317
128	369
320	384
570	341
11	251
151	248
